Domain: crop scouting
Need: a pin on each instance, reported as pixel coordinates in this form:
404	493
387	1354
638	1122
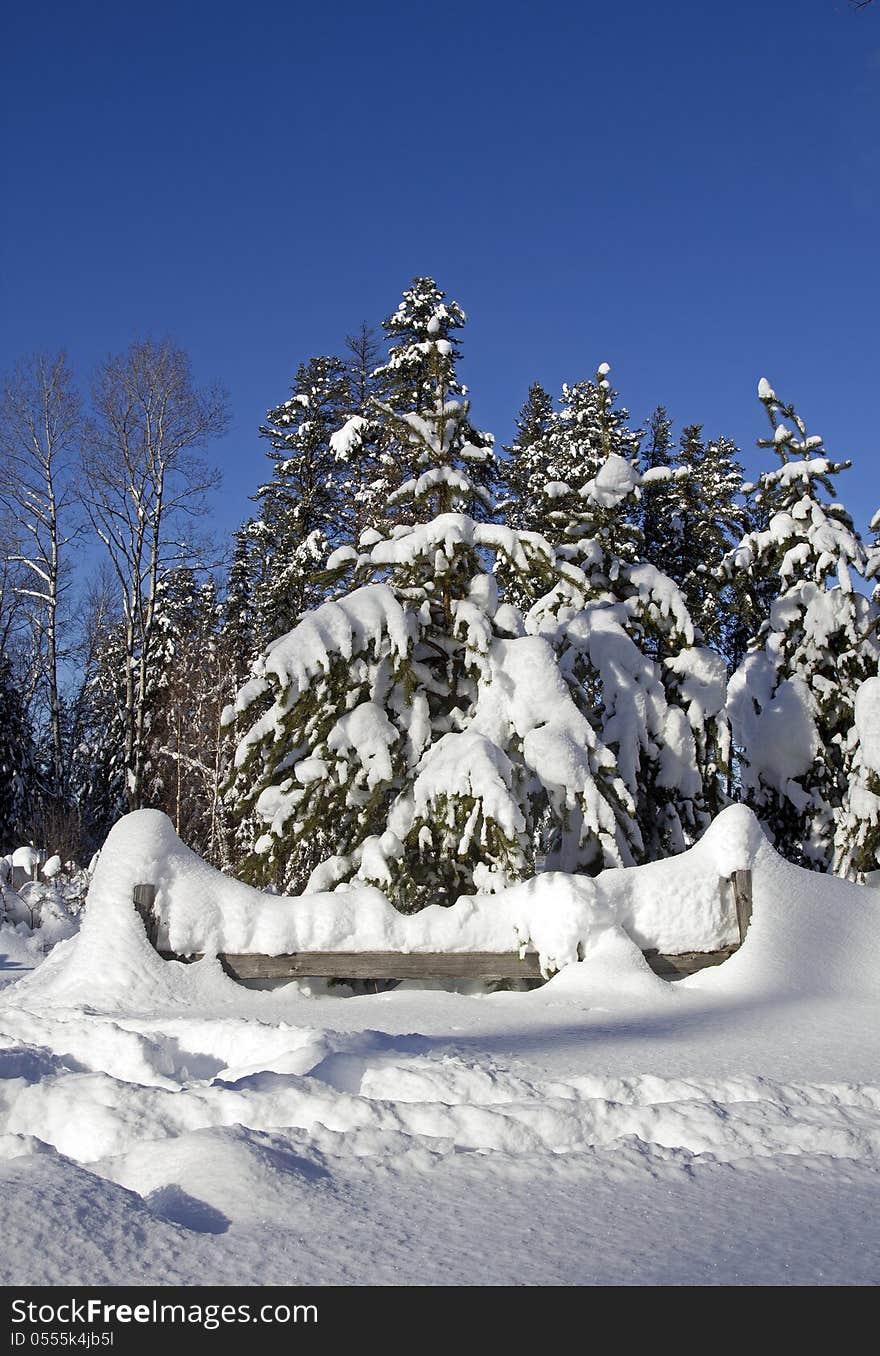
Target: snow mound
810	935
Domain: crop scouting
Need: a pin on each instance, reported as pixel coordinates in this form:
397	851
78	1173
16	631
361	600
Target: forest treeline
424	662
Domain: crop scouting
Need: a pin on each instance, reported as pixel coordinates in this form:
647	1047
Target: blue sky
689	191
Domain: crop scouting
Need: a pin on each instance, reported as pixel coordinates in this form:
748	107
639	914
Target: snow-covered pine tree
424	347
303	514
368	469
238	626
590	437
857	827
659	511
239	642
522	473
691	520
626	642
177	618
559	451
791	700
363	352
872	570
712	519
99	763
412	716
526	464
190	684
747	598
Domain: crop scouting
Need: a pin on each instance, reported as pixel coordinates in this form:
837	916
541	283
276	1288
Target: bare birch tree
144	484
40	429
12	577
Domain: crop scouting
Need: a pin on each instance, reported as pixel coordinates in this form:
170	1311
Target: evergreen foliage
857	826
659	517
442	670
99	763
792	698
621	625
303	508
413	714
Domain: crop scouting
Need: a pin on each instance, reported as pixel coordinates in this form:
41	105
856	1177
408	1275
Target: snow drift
253	1138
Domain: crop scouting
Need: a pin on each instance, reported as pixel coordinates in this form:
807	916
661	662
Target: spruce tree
857	826
191	683
623	632
99	763
409	735
711	519
554	464
369	469
522	475
363	350
659	516
591	444
303	513
423	349
693	518
527	458
872	570
747	597
791	699
239	621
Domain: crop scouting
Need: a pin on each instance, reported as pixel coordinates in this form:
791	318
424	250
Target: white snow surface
161	1123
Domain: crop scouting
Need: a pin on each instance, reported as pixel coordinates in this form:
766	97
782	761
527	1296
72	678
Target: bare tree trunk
143	482
58	767
40	432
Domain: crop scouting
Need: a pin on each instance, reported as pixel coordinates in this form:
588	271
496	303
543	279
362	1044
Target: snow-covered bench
431	965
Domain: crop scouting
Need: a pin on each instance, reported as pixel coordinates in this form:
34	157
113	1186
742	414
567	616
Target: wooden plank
688	963
742	895
425	965
484	965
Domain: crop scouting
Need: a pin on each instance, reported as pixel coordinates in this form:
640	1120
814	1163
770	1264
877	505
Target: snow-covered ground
161	1124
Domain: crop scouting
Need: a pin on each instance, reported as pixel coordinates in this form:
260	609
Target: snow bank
21	948
224	1129
684	903
810	935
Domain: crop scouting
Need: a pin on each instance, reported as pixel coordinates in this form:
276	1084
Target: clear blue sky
687	190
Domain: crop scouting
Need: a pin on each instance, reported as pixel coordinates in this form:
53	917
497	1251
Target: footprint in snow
173	1204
